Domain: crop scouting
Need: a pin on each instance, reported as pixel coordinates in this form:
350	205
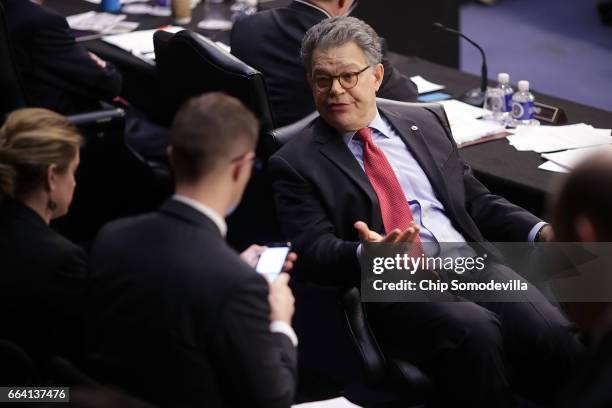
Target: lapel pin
414	127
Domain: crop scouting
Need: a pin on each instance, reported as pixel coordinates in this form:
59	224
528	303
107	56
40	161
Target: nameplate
549	114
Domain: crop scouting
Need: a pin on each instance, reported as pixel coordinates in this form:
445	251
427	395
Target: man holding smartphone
182	320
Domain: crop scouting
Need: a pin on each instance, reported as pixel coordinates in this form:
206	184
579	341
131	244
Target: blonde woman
41	273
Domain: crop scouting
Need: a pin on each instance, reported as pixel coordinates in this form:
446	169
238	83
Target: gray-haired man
363	173
270	40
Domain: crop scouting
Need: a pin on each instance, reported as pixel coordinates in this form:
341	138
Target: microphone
474	96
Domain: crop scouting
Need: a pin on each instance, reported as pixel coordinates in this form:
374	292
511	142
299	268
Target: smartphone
271	261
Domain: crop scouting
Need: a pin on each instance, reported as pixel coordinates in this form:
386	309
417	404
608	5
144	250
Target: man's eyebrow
351	67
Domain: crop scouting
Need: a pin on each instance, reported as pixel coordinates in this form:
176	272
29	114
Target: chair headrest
282	135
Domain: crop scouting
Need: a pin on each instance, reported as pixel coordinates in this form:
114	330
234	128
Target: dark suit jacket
180	320
56	72
270	42
321	191
42	278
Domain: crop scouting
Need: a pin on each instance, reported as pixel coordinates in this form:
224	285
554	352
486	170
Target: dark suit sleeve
327	259
263	365
67	62
64	300
498	219
395	85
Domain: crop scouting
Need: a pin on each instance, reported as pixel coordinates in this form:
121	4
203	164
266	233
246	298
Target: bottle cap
503	78
523	86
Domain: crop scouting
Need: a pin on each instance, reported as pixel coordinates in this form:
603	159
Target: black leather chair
112	180
388	382
189	65
10	83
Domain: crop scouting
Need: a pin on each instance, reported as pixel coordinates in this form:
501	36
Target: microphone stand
473	96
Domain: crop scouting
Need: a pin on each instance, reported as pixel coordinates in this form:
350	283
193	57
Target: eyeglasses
347	80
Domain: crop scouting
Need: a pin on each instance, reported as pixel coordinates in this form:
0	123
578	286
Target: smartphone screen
271	262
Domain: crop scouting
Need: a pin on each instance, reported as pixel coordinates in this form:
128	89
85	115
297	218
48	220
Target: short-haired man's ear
379	73
241	166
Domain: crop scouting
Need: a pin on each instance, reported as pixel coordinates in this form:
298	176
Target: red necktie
393	204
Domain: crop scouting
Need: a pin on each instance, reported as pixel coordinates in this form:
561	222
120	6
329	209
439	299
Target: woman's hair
31	140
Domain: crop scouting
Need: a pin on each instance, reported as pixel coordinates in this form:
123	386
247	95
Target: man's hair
338	31
31	140
586	192
208	130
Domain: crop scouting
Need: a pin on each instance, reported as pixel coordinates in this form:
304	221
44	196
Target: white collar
377	123
315	7
207	211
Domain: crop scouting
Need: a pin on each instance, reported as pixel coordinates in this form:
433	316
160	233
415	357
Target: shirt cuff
534	231
278	326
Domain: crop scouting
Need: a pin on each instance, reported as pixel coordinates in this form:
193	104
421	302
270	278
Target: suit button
414	127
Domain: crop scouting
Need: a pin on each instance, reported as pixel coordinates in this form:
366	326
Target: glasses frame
338	77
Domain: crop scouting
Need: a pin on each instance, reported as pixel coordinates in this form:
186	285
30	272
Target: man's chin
340	122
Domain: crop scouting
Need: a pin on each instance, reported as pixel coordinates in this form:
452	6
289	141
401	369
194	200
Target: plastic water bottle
503	84
522	105
242	8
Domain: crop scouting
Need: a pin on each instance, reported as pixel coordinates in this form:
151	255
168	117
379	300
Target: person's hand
291	258
395	236
282	303
251	255
101	63
546	234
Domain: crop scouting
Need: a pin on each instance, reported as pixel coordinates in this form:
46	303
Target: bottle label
522	110
508	103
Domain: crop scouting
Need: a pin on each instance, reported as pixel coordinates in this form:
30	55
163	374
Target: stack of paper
98	22
566	160
139	43
464	122
543	139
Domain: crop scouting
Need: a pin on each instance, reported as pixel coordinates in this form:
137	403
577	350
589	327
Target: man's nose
336	88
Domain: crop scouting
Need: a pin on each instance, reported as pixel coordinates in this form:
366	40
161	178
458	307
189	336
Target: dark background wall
407	27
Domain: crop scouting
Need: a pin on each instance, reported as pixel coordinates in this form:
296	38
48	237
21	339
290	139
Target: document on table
457	110
545	139
424	86
465	125
340	402
568	159
94	21
139	43
554	167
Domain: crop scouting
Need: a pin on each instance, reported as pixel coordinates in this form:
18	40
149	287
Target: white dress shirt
427	210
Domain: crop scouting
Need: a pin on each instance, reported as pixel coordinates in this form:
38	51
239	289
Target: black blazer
180	320
57	72
270	42
42	278
321	191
